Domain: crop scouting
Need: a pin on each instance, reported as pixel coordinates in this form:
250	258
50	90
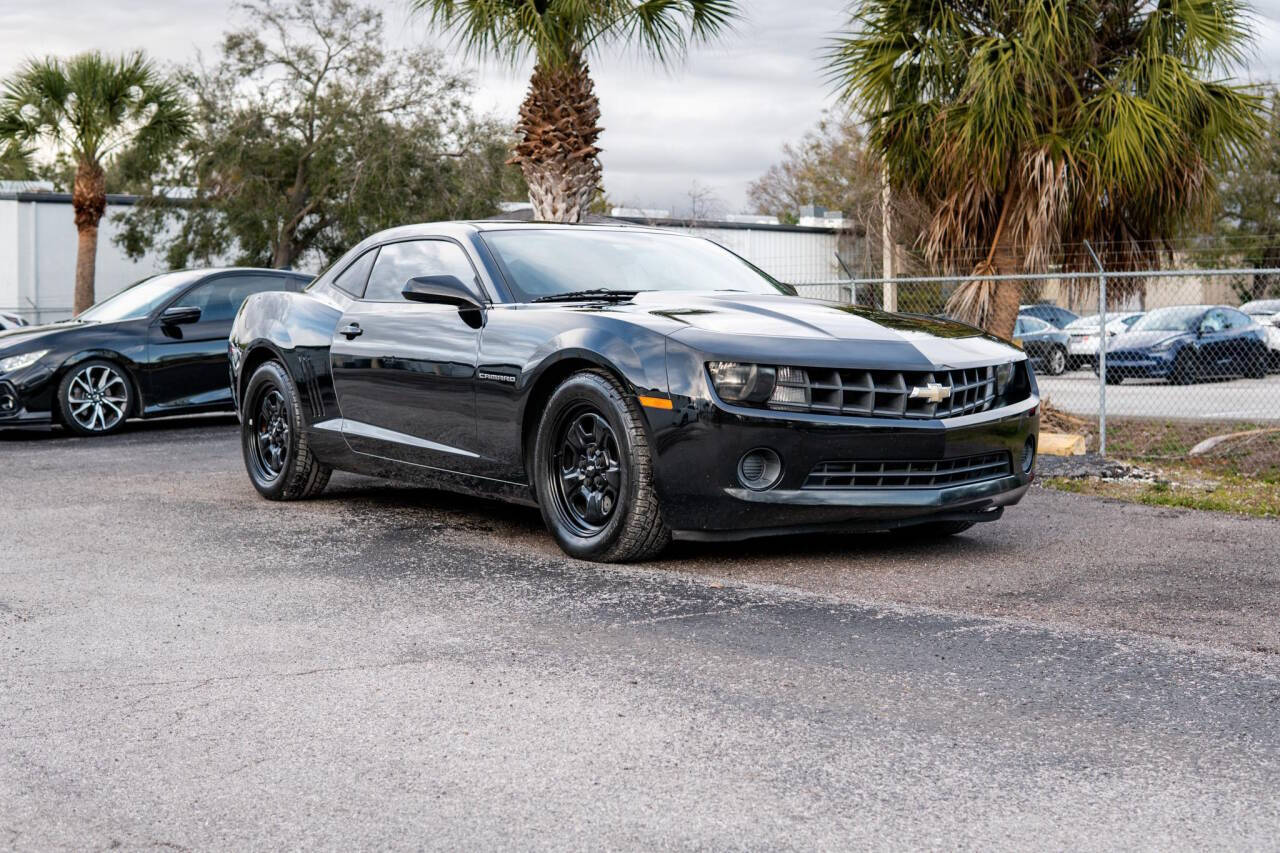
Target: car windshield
548	262
140	299
1181	319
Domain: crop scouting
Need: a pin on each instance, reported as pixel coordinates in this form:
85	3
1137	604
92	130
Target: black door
188	362
404	371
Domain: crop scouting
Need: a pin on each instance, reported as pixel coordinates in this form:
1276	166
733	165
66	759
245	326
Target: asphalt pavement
185	665
1234	399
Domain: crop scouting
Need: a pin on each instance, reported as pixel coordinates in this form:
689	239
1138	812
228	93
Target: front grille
883	393
904	474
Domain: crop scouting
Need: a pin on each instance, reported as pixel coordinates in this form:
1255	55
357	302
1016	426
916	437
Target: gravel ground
185	665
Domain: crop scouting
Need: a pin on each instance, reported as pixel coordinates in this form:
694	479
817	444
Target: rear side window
353	278
399	262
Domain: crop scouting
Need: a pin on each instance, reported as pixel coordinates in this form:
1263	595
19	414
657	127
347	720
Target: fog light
759	469
1029	454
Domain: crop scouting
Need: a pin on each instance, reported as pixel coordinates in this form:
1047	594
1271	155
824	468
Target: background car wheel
276	455
1255	366
593	475
95	398
1185	369
1056	363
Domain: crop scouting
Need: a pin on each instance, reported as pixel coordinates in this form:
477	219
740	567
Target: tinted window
353	278
1031	325
220	299
545	262
1214	321
399	262
1236	320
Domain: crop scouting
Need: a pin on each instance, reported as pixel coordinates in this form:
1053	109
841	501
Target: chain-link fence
1179	344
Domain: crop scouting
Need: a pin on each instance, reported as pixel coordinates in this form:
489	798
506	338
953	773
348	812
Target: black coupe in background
158	347
634	384
1045	344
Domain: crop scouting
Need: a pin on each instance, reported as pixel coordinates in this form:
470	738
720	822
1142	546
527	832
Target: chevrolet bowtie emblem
933	392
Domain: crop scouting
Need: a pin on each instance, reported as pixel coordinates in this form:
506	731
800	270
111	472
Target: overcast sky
720	119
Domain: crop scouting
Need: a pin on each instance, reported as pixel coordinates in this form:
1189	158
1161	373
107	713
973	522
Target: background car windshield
139	300
1169	320
552	261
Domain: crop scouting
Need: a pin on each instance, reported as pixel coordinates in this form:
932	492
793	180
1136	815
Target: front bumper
1147	365
697	456
26	399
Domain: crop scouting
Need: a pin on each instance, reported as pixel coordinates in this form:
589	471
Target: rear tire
1056	363
593	472
276	454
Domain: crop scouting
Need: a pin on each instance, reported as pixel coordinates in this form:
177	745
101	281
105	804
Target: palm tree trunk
558	131
89	202
993	305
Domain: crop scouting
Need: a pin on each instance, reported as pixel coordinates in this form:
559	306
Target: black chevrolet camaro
158	347
635	385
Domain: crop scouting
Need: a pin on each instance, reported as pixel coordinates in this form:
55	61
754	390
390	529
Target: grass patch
1185	487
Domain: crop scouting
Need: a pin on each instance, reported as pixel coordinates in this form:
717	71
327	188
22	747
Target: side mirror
180	315
441	290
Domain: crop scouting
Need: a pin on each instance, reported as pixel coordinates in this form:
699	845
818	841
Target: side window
399	262
220	299
353	278
1214	321
1236	320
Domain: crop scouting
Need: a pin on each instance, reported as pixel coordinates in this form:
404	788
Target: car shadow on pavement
134	426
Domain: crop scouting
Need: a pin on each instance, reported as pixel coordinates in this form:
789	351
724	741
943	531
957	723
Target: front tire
276	454
593	472
1056	363
95	398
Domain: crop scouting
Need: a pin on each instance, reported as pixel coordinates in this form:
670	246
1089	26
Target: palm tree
1031	126
89	108
558	127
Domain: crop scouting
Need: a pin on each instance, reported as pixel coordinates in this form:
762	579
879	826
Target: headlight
1004	373
742	383
17	362
1165	345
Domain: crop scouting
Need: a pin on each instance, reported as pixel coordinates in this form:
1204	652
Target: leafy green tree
1029	126
1247	229
310	135
88	108
834	167
558	124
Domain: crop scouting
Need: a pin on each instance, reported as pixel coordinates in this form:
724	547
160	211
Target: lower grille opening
909	474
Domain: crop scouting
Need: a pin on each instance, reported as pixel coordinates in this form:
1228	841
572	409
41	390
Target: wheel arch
126	364
548	379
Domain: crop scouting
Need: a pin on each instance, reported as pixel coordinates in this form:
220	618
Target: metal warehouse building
38	250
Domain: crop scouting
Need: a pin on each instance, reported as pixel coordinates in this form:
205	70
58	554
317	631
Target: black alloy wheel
589	476
276	454
592	472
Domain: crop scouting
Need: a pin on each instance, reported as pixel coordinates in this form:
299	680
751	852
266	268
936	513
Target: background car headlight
1004	373
742	383
17	362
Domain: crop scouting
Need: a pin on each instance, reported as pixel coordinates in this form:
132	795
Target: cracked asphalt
184	665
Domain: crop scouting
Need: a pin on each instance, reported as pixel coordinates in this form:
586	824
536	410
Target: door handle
351	330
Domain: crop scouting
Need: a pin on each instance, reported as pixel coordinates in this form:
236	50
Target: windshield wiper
595	293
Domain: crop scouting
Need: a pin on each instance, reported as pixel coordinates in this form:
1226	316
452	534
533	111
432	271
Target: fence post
1102	352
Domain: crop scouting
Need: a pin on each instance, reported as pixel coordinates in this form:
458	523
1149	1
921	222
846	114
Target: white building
38	250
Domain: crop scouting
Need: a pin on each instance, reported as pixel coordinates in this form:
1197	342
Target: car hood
22	339
1143	340
777	327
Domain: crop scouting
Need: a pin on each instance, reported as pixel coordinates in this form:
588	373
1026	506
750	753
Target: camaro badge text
496	377
933	392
